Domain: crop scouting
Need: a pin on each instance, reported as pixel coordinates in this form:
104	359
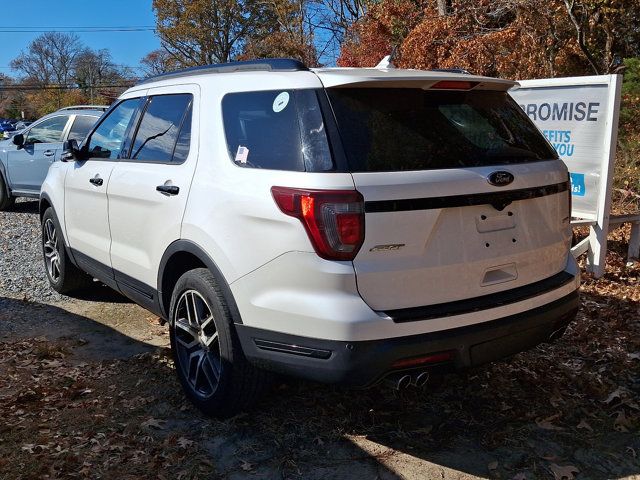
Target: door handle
49	153
96	181
168	189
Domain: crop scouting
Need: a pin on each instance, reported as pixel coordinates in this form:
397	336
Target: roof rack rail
451	70
262	64
104	108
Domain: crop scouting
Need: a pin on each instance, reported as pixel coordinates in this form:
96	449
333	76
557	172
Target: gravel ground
22	272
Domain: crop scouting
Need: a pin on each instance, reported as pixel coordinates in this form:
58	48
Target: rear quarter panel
230	212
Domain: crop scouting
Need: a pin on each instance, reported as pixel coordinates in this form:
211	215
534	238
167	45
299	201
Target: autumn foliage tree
202	32
508	38
285	33
384	27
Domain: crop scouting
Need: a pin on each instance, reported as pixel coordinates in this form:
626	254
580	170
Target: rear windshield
414	129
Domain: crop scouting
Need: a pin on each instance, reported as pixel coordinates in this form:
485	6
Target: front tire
211	367
64	277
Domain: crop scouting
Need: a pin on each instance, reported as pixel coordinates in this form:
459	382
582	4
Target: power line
79	26
65	87
76	27
133	67
82	30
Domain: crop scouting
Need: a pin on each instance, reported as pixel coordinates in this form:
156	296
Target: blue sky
127	48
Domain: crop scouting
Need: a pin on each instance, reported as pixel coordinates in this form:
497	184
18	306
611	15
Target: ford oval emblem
500	178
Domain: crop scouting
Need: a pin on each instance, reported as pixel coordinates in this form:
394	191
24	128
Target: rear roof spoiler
398	78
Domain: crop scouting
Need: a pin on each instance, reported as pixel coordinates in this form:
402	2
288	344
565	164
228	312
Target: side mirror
71	151
18	140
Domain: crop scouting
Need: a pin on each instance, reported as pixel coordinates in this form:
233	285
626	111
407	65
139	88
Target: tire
64	277
212	369
6	200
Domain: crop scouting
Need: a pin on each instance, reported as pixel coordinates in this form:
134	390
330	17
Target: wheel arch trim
44	197
188	246
5	178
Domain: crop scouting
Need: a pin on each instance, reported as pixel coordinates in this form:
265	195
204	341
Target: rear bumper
362	363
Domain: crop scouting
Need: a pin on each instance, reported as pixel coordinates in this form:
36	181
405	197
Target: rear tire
212	369
6	200
64	277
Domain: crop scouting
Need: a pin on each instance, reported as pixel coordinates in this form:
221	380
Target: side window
107	140
161	129
48	131
184	139
81	126
277	130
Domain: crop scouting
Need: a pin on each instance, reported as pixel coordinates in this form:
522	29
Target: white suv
341	225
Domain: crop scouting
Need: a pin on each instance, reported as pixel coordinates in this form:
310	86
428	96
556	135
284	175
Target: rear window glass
415	129
277	130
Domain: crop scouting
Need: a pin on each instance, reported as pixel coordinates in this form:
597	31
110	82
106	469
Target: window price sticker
242	154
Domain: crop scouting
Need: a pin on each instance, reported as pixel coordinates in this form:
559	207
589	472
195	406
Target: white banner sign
579	117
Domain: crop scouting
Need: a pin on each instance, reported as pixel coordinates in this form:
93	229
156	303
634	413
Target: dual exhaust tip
402	381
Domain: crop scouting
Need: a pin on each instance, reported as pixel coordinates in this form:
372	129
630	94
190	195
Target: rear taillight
333	219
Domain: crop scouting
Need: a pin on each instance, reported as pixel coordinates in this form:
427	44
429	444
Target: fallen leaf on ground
566	472
246	466
622	423
546	424
616	394
154	423
184	442
583	424
493	466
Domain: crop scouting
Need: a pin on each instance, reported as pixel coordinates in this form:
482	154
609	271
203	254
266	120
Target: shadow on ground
25	205
91	339
569	406
100	293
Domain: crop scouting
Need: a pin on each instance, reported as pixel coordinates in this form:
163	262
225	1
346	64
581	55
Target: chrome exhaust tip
398	381
403	382
422	379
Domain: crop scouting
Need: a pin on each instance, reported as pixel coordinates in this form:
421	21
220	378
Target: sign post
579	117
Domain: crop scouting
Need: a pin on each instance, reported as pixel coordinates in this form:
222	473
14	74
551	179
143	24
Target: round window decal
281	102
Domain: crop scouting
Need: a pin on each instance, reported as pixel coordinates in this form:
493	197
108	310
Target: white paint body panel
231	214
143	221
302	294
86	209
446	254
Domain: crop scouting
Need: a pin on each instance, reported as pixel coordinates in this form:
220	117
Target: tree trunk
581	36
444	7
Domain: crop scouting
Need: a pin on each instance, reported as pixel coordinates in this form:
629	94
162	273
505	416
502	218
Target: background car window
81	126
48	131
107	140
160	127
